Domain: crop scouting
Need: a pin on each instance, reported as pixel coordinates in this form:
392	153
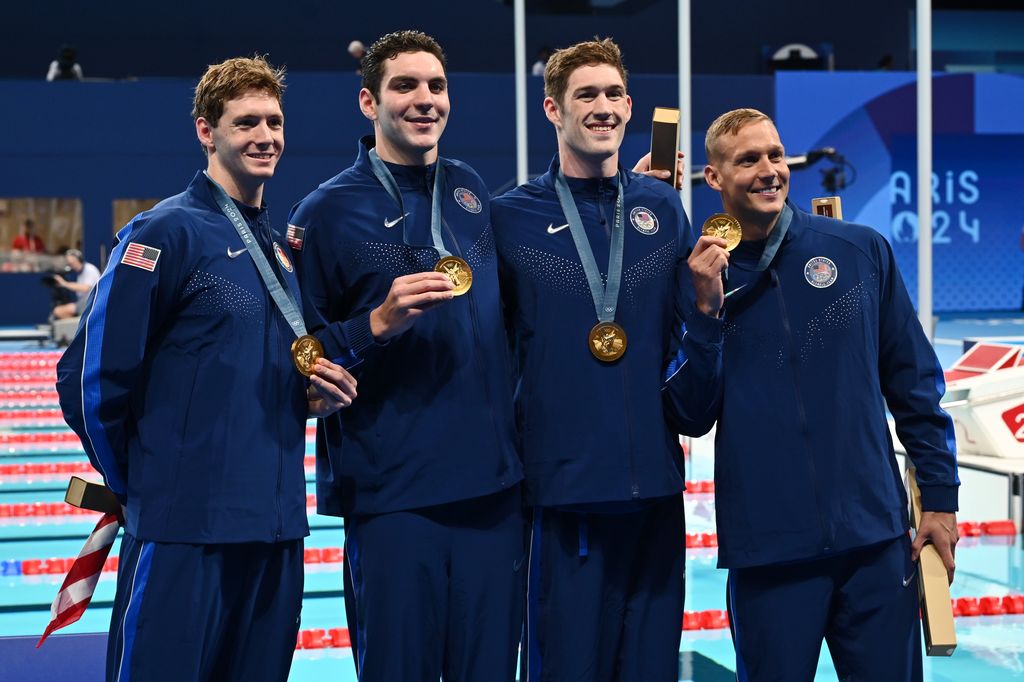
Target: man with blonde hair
181	385
592	261
820	339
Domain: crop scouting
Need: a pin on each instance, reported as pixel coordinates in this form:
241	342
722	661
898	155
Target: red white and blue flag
141	256
80	583
294	236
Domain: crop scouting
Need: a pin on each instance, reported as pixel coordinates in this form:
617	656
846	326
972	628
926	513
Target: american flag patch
294	236
141	256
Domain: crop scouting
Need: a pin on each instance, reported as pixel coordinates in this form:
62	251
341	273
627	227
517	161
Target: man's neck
757	228
403	157
250	196
578	166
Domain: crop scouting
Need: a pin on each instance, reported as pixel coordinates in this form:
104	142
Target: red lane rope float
30	415
319	638
30	364
48	469
23	381
61	565
39	438
56	470
30	355
15	395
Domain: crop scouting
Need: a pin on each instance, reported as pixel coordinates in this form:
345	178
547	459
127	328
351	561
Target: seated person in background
27	239
65	67
87	276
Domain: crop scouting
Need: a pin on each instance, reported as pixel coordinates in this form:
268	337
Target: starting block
985	398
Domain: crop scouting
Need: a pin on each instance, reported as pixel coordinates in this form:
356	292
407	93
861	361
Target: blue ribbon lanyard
282	296
775	238
384	176
606	297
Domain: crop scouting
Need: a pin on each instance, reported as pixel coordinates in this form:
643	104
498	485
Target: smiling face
412	111
244	146
749	169
590	121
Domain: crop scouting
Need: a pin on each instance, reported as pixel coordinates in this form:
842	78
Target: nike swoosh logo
392	223
235	254
906	581
552	229
733	291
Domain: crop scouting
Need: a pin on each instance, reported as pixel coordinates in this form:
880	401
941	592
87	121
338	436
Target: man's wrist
377	327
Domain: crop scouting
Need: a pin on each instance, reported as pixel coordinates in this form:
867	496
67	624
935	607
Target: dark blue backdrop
106	141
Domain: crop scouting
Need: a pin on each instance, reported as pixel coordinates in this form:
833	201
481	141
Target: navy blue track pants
205	612
862	603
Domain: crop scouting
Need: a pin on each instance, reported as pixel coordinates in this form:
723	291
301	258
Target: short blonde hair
730	123
590	53
232	78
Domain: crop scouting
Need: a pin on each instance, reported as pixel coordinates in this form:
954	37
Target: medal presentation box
830	207
92	496
665	142
933	585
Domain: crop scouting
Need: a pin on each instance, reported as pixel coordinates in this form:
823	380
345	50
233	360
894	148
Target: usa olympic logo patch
644	220
820	272
282	258
468	200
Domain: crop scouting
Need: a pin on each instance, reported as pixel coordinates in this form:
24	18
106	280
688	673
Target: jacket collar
407	177
585	186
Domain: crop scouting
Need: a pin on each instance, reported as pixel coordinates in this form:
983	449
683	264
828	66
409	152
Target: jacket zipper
476	337
801	412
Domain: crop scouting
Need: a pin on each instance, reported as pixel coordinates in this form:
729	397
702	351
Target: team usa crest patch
820	272
468	200
282	258
644	220
294	236
140	256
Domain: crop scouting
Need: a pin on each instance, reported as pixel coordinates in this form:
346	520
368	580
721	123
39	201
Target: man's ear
711	177
204	131
552	111
367	104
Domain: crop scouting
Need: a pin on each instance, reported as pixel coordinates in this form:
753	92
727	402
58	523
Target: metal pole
685	112
520	72
924	166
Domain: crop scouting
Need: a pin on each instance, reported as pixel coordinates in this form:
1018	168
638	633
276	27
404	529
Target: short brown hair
390	46
589	53
231	78
730	123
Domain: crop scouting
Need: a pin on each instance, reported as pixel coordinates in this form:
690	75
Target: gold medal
607	341
305	350
724	226
458	272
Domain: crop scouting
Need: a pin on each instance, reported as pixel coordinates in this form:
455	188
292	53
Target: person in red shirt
27	240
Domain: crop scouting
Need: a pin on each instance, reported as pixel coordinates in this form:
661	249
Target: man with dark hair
593	260
820	339
181	385
398	268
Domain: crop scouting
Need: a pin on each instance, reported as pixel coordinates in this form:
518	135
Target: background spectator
27	239
65	67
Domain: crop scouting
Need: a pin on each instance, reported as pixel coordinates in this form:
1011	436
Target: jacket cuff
939	498
345	342
704	328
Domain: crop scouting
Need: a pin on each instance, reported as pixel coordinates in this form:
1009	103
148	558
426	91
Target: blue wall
106	141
